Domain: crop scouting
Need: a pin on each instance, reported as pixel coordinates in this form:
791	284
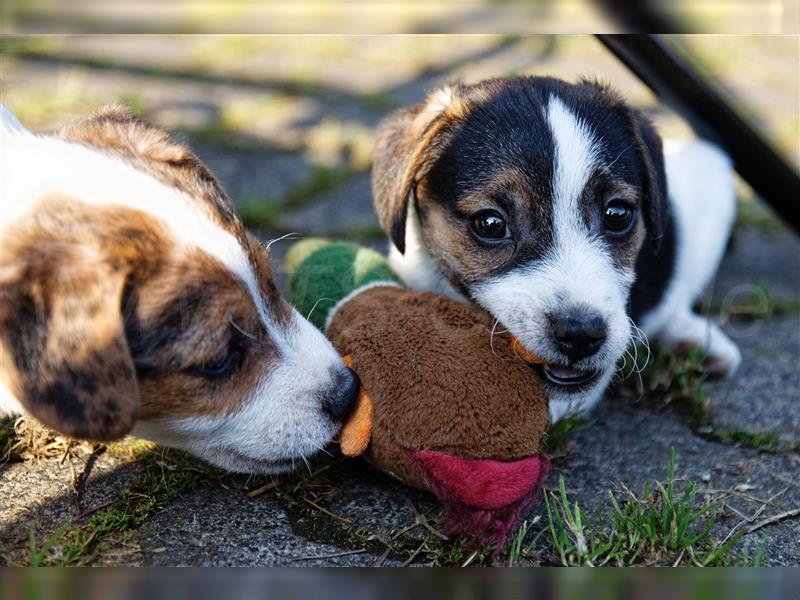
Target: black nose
579	334
342	397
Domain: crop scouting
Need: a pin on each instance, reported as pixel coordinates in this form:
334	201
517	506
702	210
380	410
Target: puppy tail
10	124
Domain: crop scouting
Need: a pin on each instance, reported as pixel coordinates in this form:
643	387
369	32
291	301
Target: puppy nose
579	334
341	399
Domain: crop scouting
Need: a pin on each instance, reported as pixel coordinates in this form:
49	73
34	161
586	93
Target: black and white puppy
554	207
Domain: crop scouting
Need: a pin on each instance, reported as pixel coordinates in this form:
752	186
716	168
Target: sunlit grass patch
38	107
340	143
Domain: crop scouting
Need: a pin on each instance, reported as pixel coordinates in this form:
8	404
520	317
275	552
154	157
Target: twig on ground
753	517
79	487
414	554
383	557
344	520
94	509
788	514
423	520
262	489
470	559
324	556
680	557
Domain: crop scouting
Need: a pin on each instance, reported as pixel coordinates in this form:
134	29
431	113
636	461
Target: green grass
366	233
750	213
323	178
559	432
379	100
663	526
759	303
259	212
677	379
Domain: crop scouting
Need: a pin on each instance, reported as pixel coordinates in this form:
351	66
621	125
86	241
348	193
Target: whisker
315	306
308	465
491	338
283	237
611	164
246	334
641	337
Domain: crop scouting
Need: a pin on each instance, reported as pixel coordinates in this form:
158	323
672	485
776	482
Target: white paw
723	356
688	330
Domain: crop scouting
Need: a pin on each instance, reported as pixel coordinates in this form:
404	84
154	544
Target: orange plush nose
357	430
525	354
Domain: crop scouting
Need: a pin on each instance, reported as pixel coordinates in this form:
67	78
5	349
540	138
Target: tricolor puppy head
132	299
531	197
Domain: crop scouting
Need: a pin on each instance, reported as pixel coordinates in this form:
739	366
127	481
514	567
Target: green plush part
322	272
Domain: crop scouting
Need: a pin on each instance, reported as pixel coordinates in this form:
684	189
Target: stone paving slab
212	527
764	394
764	258
251	176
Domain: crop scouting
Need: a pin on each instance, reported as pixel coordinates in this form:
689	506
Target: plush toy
446	405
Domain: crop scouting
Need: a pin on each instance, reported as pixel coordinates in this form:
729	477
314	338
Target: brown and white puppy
133	300
553	206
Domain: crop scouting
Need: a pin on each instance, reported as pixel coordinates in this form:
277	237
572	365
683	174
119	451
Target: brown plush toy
446	405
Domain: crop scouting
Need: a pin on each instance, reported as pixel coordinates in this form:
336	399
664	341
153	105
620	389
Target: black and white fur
569	147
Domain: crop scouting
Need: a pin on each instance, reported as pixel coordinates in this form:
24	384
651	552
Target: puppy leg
703	201
688	330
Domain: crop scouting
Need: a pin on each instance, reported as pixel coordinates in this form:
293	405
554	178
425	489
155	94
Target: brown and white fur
553	206
133	300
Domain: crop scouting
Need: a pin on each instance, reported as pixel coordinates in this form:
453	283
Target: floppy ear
407	142
649	147
655	202
63	352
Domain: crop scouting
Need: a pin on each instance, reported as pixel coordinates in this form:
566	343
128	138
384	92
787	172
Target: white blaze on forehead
34	166
576	154
578	269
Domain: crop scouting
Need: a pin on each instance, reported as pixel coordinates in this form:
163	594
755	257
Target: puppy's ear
64	355
647	142
408	142
655	202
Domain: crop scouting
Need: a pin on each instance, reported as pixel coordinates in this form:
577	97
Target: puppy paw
689	331
723	356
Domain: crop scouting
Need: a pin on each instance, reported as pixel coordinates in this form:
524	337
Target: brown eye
489	225
618	218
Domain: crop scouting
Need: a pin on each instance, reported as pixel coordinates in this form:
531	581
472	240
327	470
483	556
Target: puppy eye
489	225
220	366
618	218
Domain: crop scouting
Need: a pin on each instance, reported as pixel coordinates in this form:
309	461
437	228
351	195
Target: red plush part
483	499
489	484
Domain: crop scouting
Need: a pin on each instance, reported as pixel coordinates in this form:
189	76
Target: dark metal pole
713	117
